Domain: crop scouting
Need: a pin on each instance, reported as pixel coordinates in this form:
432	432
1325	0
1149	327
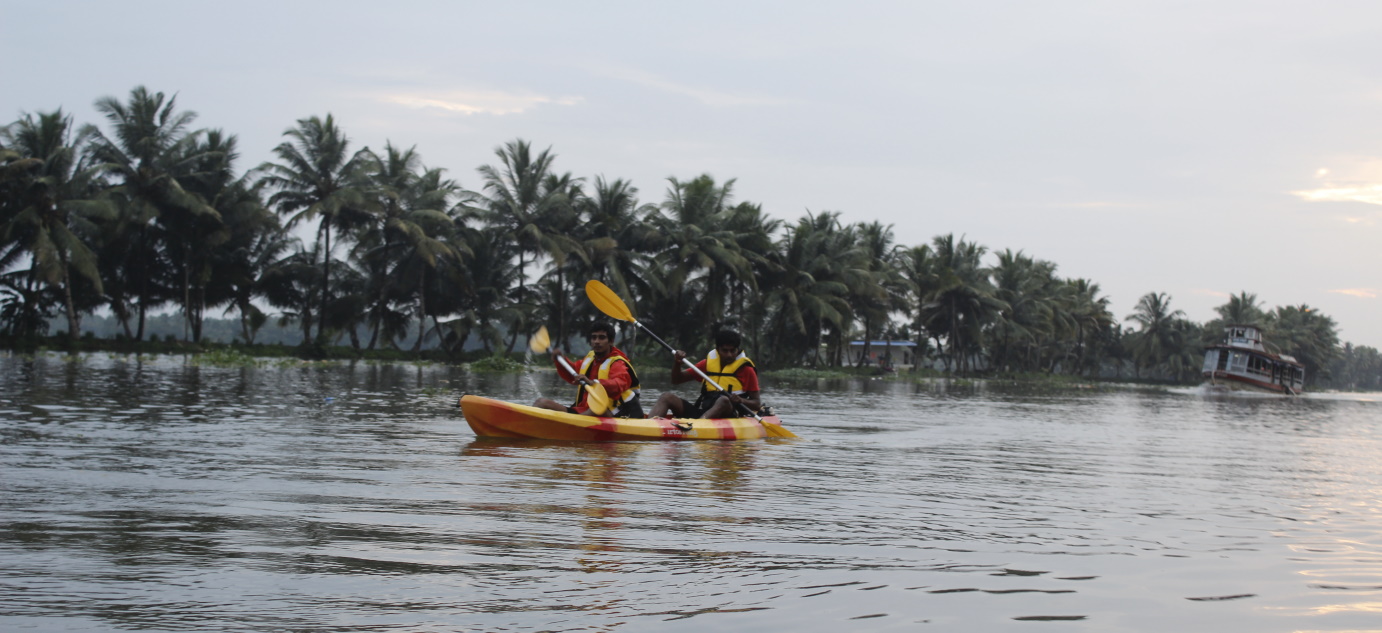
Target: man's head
601	336
727	343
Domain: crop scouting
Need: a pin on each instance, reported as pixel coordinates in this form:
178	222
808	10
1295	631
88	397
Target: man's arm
561	371
680	373
748	376
749	399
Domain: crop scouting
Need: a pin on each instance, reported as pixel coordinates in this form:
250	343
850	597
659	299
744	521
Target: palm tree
615	240
877	287
317	176
1158	338
23	302
1242	308
808	293
484	294
700	257
288	284
1357	368
1037	328
754	234
1019	282
565	223
1093	322
532	210
1306	334
237	251
918	267
221	245
964	300
618	237
150	151
54	202
252	257
409	240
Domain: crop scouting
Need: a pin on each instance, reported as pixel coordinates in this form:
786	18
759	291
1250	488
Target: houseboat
1242	363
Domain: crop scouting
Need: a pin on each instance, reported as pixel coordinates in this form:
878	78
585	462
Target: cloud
1353	179
479	102
1094	204
1370	194
706	96
1362	293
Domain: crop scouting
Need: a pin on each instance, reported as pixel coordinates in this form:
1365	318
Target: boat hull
1223	381
496	418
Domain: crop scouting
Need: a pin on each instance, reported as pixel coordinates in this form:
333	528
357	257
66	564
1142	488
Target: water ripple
151	494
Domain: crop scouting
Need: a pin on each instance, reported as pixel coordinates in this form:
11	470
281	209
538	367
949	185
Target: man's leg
668	403
548	403
723	408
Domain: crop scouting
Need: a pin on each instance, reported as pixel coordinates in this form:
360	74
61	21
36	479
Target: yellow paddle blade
540	341
777	430
607	301
597	398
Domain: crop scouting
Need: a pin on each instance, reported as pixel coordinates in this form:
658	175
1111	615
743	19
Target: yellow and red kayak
496	418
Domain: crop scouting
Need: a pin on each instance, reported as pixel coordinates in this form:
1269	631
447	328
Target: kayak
496	418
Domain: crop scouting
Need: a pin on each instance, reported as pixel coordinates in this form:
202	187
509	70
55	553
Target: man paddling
606	365
729	367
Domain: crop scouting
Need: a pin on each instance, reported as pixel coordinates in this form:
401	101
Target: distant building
895	354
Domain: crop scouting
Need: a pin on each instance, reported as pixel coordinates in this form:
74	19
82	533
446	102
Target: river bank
261	355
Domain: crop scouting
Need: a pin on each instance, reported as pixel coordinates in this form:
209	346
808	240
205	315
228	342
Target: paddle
609	303
596	396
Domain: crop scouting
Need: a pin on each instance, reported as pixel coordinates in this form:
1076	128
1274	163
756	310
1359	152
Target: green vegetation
833	373
148	213
228	357
497	365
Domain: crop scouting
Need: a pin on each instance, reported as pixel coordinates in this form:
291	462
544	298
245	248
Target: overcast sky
1193	148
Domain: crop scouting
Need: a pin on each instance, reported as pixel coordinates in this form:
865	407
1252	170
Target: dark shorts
698	408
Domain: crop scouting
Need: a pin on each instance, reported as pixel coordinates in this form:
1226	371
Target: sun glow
1358	180
1370	194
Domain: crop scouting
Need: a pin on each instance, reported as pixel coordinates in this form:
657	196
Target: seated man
607	365
730	368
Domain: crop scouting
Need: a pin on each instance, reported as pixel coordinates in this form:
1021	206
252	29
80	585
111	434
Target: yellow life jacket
603	374
724	375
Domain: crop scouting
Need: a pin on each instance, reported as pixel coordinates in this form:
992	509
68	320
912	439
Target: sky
1198	149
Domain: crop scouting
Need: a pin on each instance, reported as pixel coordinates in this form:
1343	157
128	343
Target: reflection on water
158	495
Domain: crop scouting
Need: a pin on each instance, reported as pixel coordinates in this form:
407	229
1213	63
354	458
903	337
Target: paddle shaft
561	360
697	370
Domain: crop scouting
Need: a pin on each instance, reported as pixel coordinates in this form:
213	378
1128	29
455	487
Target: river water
154	494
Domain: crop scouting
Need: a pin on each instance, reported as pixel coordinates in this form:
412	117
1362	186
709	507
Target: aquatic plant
496	365
227	357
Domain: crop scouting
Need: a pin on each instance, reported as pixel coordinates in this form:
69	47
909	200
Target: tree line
148	212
